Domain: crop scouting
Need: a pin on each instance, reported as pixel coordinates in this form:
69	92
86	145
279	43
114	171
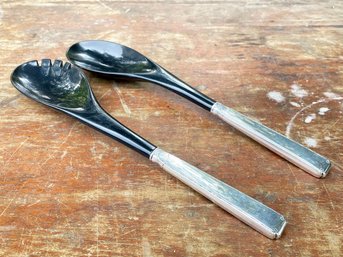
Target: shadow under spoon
118	61
65	88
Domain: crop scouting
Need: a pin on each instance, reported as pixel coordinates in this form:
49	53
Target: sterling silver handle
252	212
304	158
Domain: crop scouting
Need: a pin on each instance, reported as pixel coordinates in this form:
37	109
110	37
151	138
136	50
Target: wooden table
67	190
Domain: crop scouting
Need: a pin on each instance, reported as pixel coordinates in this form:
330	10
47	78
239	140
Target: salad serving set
64	87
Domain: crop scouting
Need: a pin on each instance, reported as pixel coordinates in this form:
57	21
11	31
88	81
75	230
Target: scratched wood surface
67	190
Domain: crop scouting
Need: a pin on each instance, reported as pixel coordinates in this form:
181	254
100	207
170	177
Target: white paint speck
7	228
310	142
64	154
323	110
290	123
295	104
276	96
310	118
146	248
201	87
298	91
331	95
327	138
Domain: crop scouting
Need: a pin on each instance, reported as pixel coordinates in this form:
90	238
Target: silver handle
250	211
304	158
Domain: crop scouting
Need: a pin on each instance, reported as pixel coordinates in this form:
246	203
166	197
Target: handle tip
274	228
326	169
320	170
280	231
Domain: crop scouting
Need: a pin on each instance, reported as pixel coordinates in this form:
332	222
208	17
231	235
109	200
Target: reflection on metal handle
252	212
294	152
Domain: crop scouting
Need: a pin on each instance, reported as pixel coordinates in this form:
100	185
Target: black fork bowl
65	88
119	61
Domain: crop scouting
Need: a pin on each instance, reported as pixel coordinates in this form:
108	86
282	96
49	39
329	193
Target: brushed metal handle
252	212
306	159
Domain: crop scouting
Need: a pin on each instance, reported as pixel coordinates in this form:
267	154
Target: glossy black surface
65	88
118	61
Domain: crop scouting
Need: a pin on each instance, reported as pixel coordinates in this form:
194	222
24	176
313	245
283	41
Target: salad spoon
118	61
65	88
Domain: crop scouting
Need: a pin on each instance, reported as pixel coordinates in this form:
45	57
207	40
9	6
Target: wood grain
66	190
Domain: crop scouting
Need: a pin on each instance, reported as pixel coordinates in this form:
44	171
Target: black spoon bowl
100	56
65	88
119	61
